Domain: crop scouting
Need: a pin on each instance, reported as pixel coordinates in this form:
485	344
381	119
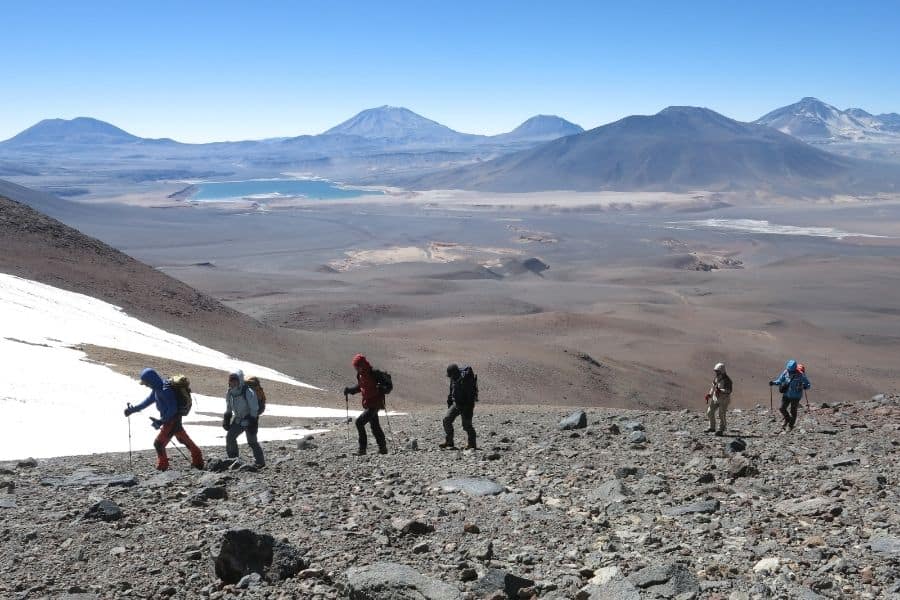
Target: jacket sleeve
806	383
781	379
252	403
228	407
145	403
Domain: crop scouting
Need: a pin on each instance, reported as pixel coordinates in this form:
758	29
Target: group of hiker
792	383
245	402
243	406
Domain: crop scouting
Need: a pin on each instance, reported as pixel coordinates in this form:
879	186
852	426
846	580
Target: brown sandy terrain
619	309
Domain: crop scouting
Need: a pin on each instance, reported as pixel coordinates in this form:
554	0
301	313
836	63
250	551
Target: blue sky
201	71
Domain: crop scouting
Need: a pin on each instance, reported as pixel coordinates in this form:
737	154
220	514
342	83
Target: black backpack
468	384
383	381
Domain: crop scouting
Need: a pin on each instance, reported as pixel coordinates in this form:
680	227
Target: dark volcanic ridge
678	149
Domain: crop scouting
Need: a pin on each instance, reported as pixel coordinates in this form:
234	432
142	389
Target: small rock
473	486
706	506
411	526
253	580
577	420
867	575
735	446
468	574
421	548
637	437
485	552
286	512
412	444
471	528
105	510
28	463
770	565
214	493
394	581
311	574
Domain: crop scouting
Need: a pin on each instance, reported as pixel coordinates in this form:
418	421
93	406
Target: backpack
383	381
182	387
254	384
795	385
468	384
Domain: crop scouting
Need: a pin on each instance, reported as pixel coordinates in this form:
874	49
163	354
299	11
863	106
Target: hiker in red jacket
372	402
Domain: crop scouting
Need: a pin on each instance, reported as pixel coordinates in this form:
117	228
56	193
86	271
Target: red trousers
174	428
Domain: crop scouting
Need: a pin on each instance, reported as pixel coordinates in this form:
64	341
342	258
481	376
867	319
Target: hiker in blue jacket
791	384
169	421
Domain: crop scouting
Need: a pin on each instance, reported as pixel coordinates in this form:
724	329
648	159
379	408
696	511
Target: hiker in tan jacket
717	399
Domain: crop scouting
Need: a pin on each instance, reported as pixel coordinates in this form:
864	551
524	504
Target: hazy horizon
226	71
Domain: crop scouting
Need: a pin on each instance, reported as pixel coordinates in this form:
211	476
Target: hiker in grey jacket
241	416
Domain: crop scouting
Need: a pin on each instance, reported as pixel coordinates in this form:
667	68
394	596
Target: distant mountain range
385	126
680	148
814	121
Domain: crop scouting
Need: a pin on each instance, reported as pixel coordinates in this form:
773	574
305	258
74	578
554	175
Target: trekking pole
806	396
130	462
177	447
347	406
771	400
391	431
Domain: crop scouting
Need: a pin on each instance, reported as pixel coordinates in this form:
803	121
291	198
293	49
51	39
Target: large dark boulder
244	551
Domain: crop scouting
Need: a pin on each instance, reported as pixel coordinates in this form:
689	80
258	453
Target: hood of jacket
240	376
152	378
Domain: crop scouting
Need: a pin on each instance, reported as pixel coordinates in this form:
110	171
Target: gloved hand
129	411
226	421
346	391
707	397
773	383
157	423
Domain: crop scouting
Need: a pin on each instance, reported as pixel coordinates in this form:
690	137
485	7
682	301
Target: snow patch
56	402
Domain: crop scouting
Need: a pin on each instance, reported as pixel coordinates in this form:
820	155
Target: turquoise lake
273	188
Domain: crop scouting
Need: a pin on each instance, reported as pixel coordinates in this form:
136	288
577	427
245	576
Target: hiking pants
231	447
174	428
370	415
718	404
466	412
789	410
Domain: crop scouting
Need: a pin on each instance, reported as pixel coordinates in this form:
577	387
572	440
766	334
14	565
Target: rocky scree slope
622	505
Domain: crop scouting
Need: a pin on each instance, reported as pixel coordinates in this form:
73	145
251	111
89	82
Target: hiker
717	399
460	402
372	402
241	416
169	421
791	384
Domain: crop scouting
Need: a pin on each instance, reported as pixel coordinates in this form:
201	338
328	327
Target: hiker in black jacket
460	401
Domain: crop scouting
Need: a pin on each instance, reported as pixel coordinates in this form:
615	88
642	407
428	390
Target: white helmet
719	368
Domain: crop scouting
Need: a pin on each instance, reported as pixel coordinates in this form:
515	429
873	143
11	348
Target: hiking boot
709	430
444	445
382	450
361	452
199	466
720	433
471	447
